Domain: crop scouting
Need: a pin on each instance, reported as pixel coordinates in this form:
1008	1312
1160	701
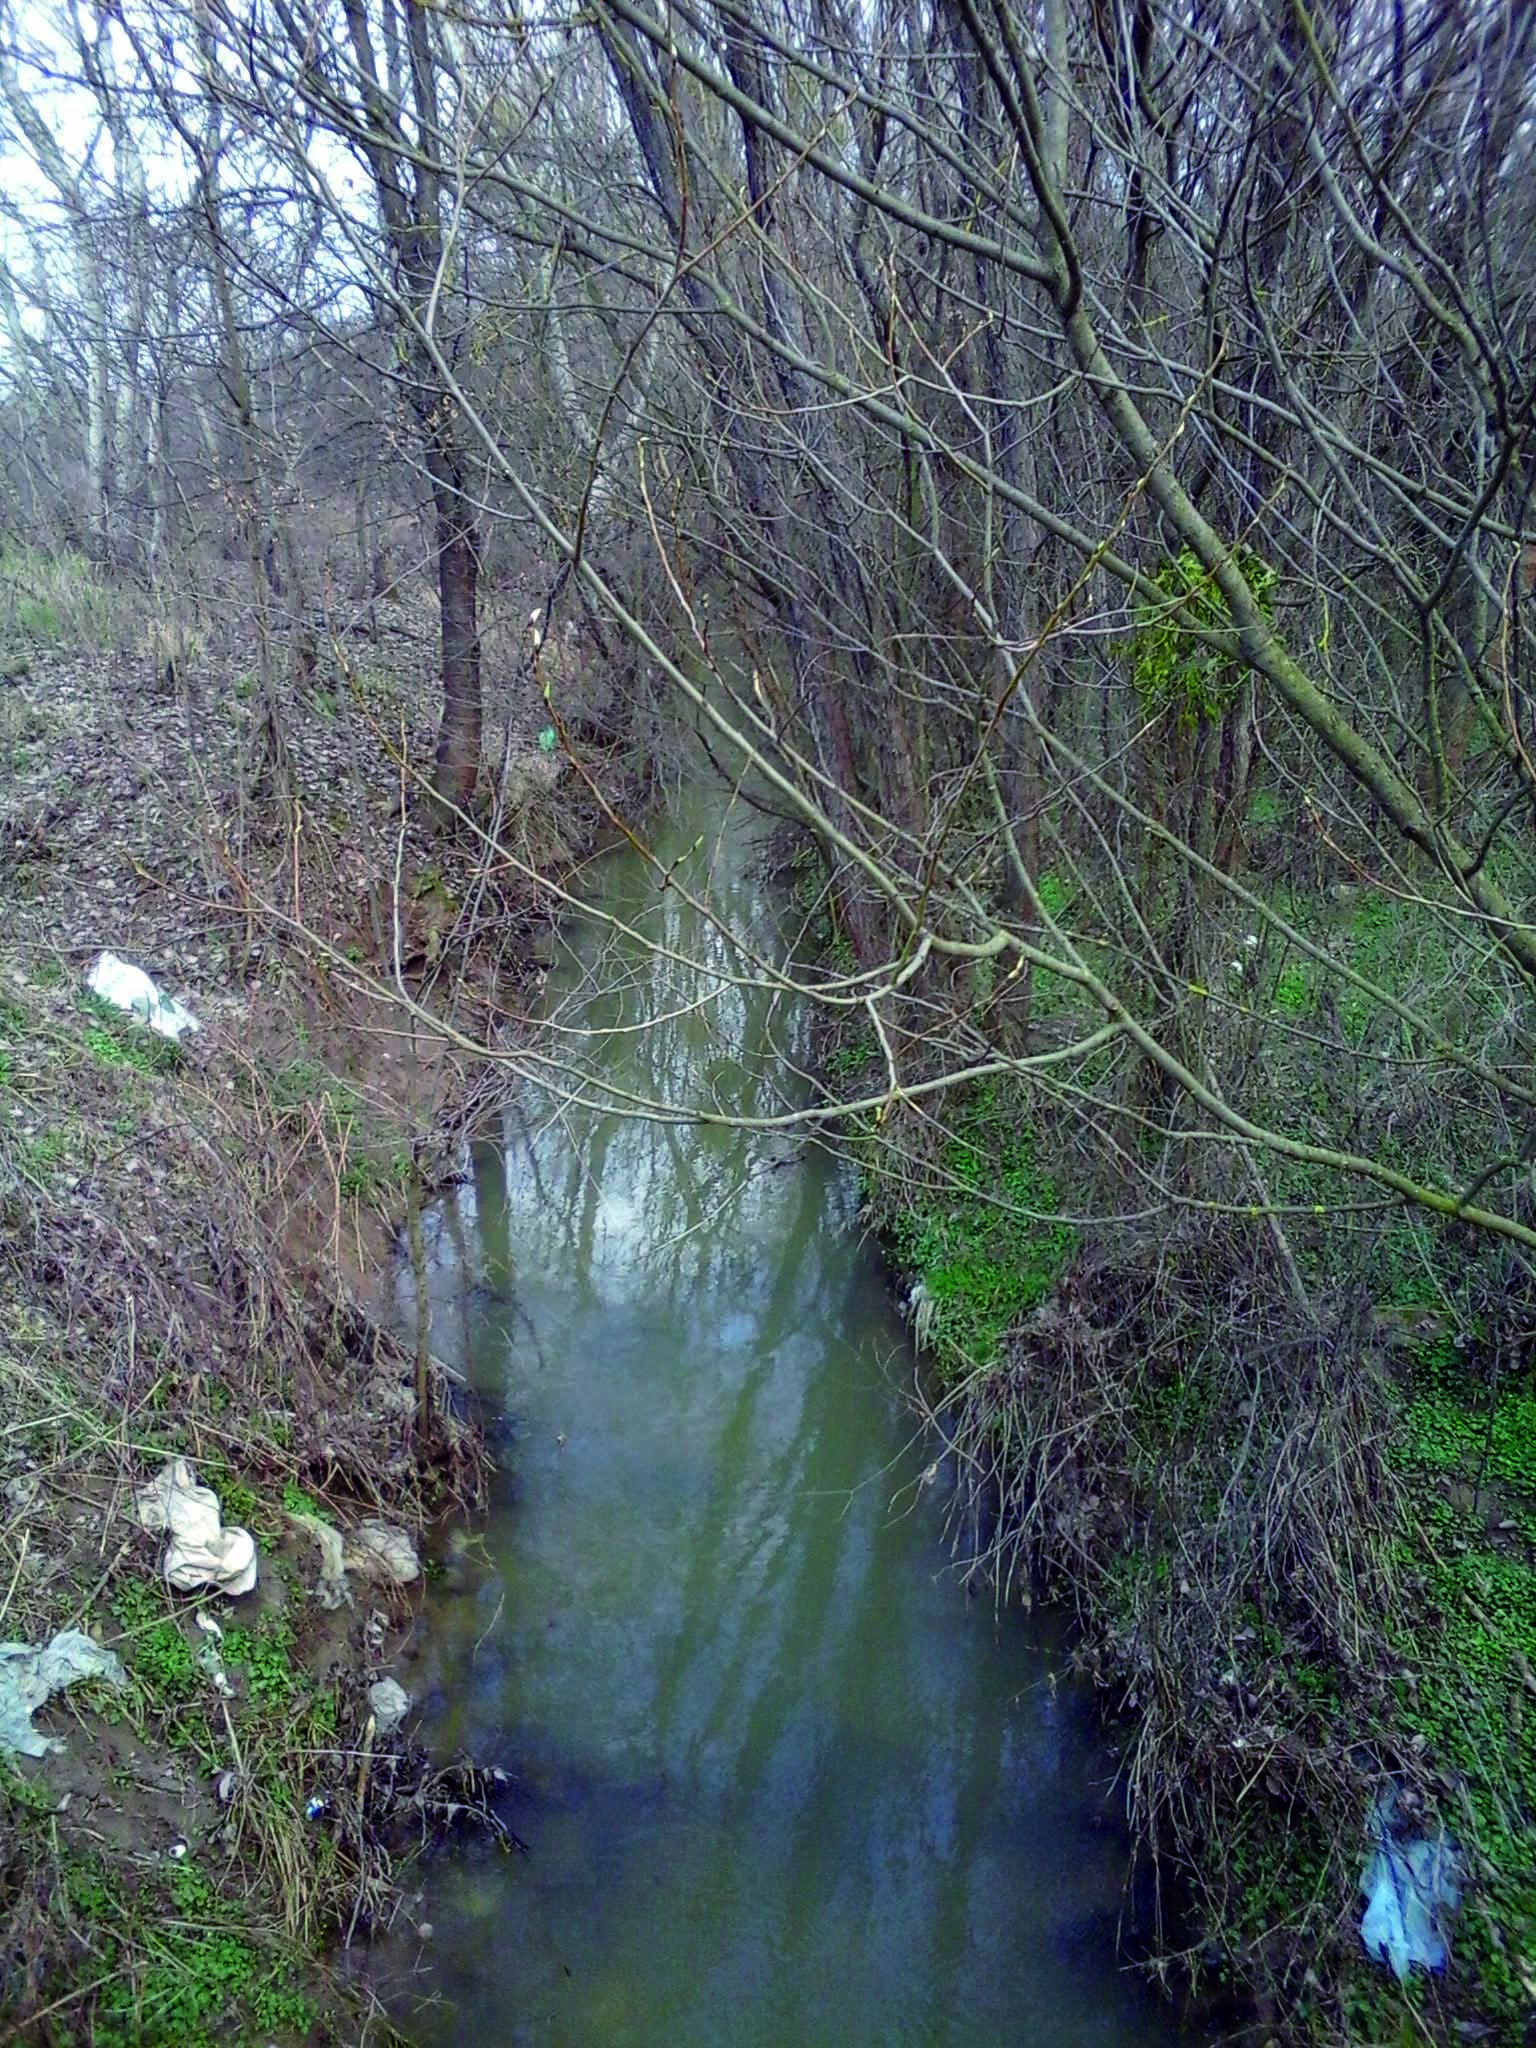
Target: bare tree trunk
458	576
408	186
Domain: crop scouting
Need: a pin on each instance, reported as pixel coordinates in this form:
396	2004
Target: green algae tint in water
783	1784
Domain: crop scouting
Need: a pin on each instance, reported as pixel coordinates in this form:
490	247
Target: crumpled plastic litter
129	988
378	1550
331	1590
201	1552
1411	1886
29	1678
389	1703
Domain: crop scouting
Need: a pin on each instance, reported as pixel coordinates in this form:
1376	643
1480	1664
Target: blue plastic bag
1411	1887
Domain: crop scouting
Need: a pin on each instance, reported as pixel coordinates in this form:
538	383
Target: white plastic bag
202	1552
129	988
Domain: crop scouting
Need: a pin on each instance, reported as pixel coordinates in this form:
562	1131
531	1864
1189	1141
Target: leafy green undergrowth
1472	1652
981	1237
45	1045
1456	1725
199	1914
1400	948
118	1040
265	1654
1393	944
175	1678
853	1059
201	1974
1053	998
1438	1696
302	1083
155	1647
156	1957
1448	1710
297	1502
1477	1441
1470	1656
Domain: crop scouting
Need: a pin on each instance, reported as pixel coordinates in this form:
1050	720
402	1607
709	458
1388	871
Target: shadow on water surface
782	1782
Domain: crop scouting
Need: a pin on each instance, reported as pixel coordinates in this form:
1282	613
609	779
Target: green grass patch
186	1951
303	1083
264	1652
371	1167
62	599
1469	1650
1496	1439
851	1058
162	1959
1473	1650
376	684
1293	989
154	1647
116	1040
1053	895
1052	996
366	1177
42	1154
38	619
983	1262
175	1959
238	1503
1405	949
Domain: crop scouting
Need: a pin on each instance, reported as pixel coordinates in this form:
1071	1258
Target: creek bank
190	1239
1300	1596
161	1881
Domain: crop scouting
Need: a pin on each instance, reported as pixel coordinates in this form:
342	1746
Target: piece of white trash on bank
389	1703
129	988
922	1310
201	1552
331	1590
29	1678
379	1551
1412	1886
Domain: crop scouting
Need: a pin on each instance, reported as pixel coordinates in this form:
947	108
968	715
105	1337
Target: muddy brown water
783	1783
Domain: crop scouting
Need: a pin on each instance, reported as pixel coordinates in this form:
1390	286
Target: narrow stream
783	1783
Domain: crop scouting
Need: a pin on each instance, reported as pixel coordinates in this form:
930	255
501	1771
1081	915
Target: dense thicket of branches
1091	423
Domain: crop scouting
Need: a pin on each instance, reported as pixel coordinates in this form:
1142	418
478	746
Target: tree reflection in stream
784	1783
